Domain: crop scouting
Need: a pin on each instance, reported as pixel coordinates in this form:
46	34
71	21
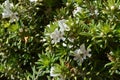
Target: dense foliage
60	40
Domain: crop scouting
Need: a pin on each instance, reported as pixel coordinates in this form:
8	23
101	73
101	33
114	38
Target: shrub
59	39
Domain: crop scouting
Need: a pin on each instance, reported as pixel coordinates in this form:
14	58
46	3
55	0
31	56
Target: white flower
33	0
78	55
52	72
56	36
63	26
7	11
96	12
77	10
82	53
8	5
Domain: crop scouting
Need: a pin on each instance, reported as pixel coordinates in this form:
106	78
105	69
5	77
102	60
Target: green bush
60	40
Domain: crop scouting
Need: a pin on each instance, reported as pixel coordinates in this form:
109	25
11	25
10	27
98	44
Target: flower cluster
58	33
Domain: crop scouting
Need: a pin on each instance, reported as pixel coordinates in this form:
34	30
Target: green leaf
6	24
85	34
51	27
109	64
14	27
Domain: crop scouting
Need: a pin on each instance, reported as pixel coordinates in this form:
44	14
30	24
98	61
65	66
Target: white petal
82	48
8	5
33	0
64	45
71	40
78	9
52	72
89	55
6	13
63	26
